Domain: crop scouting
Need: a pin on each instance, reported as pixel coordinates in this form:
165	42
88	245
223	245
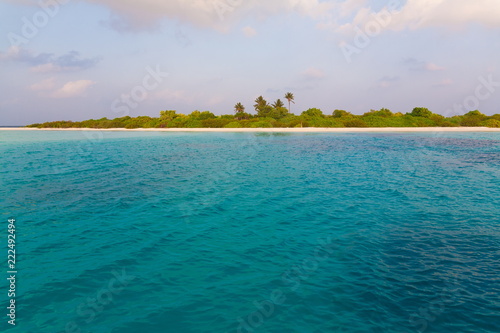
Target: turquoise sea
159	232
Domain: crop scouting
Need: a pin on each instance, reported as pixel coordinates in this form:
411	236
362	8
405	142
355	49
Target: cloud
348	7
417	14
337	15
12	53
20	2
168	95
422	66
129	15
444	83
16	53
48	62
249	31
433	67
387	81
271	91
47	84
313	73
73	89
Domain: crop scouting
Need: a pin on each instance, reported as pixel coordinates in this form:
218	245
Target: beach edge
272	130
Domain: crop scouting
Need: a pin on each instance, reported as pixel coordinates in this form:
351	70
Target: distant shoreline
271	130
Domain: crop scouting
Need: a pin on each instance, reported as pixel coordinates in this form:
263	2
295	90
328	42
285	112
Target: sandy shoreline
273	130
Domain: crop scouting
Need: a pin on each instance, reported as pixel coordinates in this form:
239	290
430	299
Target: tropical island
276	115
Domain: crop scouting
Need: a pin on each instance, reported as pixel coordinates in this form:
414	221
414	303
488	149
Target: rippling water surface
246	232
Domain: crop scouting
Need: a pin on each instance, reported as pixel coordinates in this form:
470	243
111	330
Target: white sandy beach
273	130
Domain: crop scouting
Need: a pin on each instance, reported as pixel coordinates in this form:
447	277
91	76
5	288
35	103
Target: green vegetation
277	115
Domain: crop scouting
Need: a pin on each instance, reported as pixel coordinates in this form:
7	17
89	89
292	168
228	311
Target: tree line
277	115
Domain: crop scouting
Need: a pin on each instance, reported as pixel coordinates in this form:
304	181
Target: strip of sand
273	130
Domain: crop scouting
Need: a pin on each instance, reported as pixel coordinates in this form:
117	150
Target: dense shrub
280	117
356	122
491	123
233	124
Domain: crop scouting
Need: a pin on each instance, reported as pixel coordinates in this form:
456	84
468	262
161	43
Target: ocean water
250	232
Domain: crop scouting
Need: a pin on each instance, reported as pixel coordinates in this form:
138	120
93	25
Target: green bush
193	123
422	122
473	118
448	124
261	124
421	112
375	121
471	121
215	123
341	114
381	113
269	116
495	116
356	122
313	113
493	123
233	124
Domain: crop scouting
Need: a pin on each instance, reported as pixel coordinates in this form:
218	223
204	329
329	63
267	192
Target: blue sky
81	59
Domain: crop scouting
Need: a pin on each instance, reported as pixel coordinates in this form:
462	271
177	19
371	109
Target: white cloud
20	2
168	95
249	31
348	7
313	73
419	14
339	15
433	67
12	53
47	84
217	14
46	68
444	82
449	13
422	66
48	62
73	89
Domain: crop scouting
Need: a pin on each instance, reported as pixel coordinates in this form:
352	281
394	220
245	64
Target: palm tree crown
278	104
289	97
239	108
260	103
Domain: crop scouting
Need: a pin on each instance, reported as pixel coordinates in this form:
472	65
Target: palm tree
278	104
239	109
260	103
289	97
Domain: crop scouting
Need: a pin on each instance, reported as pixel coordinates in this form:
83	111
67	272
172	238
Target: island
276	115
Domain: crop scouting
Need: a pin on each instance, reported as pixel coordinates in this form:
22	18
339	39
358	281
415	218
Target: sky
89	59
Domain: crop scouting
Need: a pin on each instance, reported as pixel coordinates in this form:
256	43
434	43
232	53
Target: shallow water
253	232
